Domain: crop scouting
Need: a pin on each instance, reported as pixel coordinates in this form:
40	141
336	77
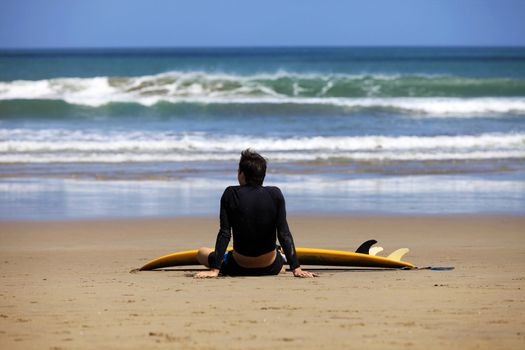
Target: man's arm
285	238
223	239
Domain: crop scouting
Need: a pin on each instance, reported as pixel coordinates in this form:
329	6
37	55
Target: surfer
253	213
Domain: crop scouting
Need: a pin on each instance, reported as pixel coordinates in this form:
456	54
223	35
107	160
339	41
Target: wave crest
416	93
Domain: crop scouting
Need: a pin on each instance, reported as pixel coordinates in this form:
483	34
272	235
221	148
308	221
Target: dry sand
66	285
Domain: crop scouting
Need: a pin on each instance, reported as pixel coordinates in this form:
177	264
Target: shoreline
290	215
49	199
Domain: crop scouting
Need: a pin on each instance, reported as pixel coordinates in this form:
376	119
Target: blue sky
174	23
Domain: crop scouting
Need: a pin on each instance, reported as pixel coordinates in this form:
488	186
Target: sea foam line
28	140
21	145
273	156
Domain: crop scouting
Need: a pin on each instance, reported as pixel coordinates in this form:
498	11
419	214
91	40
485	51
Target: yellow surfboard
306	256
328	257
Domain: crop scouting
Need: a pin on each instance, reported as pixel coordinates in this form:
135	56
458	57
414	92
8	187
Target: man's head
252	167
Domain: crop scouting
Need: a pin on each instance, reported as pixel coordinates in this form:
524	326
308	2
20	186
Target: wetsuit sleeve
224	235
283	232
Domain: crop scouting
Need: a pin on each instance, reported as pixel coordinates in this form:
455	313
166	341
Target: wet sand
67	285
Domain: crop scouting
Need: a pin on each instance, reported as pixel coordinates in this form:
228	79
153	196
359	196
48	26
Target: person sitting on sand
254	213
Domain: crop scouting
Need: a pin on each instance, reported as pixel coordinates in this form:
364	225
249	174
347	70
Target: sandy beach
66	285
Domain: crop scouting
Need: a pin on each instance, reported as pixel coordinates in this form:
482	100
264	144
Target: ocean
103	133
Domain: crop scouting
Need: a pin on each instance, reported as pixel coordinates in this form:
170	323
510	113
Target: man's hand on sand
304	274
207	274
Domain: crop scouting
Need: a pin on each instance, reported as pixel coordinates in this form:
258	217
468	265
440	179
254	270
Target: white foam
56	145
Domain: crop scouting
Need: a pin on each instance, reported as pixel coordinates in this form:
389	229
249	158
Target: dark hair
253	166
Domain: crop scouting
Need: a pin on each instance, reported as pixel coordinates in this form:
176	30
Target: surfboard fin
398	254
374	250
365	247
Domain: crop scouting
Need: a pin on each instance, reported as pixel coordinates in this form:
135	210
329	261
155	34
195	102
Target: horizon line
251	47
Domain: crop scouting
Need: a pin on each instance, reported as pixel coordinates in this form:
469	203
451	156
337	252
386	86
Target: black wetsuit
254	214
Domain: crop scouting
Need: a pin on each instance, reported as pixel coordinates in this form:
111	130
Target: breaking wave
426	94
